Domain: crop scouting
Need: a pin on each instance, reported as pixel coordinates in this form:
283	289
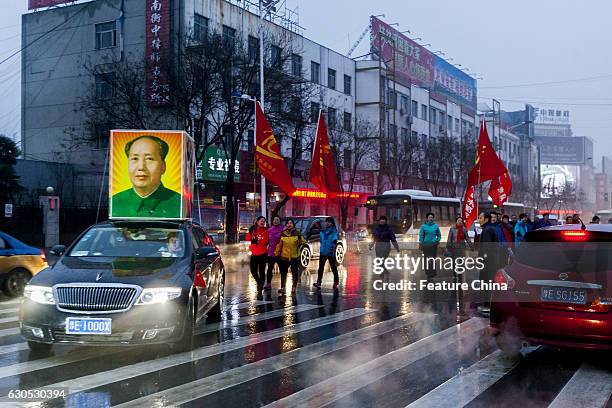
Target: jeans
332	264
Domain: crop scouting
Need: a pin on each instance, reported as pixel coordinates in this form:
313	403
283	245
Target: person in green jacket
429	239
148	197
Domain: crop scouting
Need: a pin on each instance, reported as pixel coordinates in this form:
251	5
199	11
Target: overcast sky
510	44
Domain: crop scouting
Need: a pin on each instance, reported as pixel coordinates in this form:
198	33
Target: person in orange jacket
258	235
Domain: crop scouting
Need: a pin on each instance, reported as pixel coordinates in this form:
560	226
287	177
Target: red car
559	290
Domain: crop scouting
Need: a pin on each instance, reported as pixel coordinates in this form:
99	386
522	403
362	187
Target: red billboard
414	64
158	51
36	4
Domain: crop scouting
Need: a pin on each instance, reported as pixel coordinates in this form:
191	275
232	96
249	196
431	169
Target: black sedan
126	282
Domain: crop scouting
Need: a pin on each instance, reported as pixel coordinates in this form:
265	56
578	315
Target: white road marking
11	302
205	386
335	388
9	311
14	348
248	305
134	370
9	332
470	383
9	320
589	387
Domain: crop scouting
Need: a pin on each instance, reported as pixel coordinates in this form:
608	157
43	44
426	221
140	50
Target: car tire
305	256
186	343
40	349
339	254
216	312
15	282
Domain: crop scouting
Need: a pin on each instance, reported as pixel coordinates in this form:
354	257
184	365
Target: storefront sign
215	166
309	193
158	51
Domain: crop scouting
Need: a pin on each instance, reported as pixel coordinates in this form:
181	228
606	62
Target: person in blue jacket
520	229
429	239
329	239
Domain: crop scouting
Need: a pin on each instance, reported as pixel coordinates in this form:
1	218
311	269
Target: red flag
470	208
488	165
268	156
322	168
500	189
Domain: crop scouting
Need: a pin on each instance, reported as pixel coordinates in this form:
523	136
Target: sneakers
317	285
281	292
268	286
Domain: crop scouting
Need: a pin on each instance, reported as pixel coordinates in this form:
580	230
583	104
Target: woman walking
429	239
258	235
288	249
329	239
274	235
457	243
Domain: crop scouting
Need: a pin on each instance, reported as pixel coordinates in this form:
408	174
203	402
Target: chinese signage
453	82
561	150
151	174
544	115
309	193
158	51
34	4
215	166
413	63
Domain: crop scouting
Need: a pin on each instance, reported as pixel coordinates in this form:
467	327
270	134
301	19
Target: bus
508	208
406	211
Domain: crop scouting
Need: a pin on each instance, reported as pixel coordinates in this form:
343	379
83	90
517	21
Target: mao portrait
146	196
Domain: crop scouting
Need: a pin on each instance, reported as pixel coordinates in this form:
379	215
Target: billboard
561	150
556	179
552	116
35	4
452	82
151	174
215	166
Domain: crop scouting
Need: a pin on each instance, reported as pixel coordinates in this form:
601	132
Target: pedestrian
513	220
258	235
329	239
610	221
457	243
595	220
288	249
544	222
530	224
520	229
576	219
488	251
569	219
508	231
429	239
495	221
274	235
382	239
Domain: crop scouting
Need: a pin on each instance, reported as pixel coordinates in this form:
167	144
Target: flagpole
261	98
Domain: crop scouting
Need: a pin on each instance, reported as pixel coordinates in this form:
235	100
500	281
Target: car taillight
198	280
501	276
574	235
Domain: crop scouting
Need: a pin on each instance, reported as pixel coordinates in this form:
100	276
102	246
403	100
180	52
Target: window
253	48
404	105
331	78
432	115
275	57
348	84
424	112
296	65
449	124
315	72
457	129
415	109
348	119
102	135
200	27
415	137
229	35
105	85
348	159
393	132
331	117
392	99
106	35
314	112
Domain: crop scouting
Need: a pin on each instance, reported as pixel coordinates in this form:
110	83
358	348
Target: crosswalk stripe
335	388
134	370
247	305
14	348
9	320
9	332
467	385
256	317
10	302
9	311
239	375
589	387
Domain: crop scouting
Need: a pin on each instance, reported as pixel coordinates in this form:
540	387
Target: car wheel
305	257
339	254
187	341
40	349
216	312
15	282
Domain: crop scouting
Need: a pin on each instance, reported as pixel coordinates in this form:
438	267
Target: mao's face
145	164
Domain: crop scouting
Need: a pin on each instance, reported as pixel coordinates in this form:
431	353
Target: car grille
95	298
61	336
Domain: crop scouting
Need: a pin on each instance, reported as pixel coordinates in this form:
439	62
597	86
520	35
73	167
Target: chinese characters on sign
158	51
544	115
561	150
214	166
453	82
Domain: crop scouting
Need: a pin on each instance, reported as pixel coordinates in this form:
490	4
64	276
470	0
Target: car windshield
131	242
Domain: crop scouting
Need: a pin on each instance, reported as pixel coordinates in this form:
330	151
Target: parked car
310	227
18	263
559	290
126	282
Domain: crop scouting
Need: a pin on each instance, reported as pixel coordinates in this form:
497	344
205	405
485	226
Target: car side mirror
206	252
58	250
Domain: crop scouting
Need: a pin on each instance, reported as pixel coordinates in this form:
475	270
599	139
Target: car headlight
158	295
39	294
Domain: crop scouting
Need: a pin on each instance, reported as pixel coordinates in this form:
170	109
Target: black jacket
488	247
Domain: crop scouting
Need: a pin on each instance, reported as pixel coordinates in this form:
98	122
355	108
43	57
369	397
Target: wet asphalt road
356	348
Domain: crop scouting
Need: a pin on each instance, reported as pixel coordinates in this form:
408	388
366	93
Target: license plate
86	325
563	295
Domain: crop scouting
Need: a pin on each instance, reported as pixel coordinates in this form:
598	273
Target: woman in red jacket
258	235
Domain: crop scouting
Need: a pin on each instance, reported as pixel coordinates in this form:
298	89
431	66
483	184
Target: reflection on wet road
354	348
